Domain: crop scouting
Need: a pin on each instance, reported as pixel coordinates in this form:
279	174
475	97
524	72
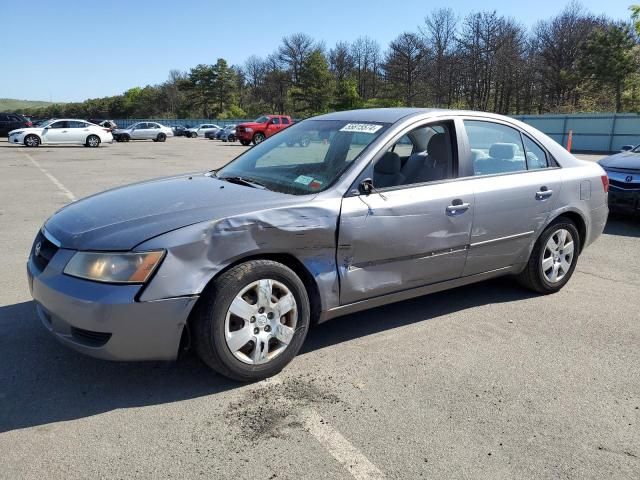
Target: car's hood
37	130
121	218
250	125
622	160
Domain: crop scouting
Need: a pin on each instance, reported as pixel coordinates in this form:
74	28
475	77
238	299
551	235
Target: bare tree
404	66
294	51
439	32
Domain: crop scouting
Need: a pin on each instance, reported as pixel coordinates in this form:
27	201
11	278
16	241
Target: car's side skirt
414	292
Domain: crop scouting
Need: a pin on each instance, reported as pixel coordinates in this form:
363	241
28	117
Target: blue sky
73	50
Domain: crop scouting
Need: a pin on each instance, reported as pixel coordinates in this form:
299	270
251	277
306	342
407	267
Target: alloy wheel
558	255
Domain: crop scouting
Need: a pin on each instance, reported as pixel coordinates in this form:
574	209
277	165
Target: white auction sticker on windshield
303	179
361	127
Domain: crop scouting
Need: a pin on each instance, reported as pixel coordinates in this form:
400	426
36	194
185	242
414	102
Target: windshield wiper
249	182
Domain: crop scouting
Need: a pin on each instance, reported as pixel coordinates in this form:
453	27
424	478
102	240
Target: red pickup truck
261	128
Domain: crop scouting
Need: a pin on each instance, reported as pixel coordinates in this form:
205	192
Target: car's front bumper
104	320
624	200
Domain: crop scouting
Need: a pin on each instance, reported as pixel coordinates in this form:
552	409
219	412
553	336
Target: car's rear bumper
106	321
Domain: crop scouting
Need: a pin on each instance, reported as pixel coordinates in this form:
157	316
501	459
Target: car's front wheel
252	320
161	137
258	138
553	258
32	141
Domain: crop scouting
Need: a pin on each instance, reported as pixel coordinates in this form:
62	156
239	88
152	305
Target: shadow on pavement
627	226
42	382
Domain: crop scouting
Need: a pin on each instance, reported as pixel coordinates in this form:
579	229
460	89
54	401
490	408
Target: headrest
437	146
503	151
389	164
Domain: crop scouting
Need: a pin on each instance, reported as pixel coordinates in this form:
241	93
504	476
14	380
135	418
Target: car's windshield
262	119
306	157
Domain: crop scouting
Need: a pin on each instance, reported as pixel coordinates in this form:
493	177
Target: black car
623	170
179	130
12	121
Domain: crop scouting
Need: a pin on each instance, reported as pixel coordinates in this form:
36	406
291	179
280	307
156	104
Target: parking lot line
359	466
55	181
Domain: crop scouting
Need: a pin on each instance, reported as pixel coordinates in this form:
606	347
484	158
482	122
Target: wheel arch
579	222
294	264
32	135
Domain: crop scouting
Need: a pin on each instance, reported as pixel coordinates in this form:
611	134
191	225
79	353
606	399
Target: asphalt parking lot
485	381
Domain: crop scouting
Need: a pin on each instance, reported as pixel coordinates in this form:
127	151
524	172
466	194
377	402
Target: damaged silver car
336	214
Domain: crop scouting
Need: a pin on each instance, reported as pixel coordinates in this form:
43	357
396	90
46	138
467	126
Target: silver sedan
379	206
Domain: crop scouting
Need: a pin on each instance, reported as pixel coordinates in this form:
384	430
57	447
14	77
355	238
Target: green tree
223	83
201	86
607	58
316	85
635	16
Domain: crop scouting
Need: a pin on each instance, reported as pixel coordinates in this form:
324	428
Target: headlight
15	132
249	129
115	267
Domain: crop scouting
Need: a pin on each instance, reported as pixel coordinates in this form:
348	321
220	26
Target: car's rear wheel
553	258
252	320
258	138
231	138
92	141
161	137
32	141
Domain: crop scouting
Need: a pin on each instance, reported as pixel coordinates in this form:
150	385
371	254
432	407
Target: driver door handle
457	207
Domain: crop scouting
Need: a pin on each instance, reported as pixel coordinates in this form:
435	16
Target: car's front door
57	132
413	228
139	131
515	184
273	126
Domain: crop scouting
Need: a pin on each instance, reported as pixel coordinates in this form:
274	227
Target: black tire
305	141
245	142
532	277
258	138
32	141
193	135
125	138
209	316
231	138
92	141
161	137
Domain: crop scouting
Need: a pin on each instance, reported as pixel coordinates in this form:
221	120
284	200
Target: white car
62	131
143	131
201	130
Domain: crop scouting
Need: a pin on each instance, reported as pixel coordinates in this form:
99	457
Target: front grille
42	251
633	185
90	338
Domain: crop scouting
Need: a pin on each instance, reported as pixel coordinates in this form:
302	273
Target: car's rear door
515	185
410	230
4	125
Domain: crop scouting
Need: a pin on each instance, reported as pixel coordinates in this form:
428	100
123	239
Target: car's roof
393	115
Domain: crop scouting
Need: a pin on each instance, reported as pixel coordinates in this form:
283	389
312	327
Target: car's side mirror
626	148
366	186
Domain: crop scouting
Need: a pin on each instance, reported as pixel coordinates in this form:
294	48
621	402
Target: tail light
29	123
605	182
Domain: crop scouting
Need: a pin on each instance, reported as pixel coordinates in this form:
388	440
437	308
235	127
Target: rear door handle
543	193
457	208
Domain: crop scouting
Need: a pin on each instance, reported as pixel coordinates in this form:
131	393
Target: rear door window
495	148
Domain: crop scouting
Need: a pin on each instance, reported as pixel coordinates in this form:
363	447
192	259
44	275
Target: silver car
143	131
381	206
